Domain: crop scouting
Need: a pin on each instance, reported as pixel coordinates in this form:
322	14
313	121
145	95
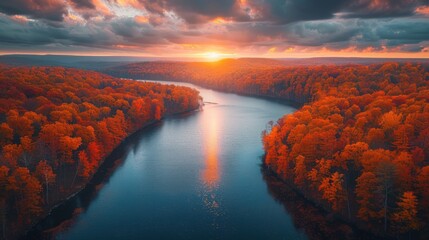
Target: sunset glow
208	29
212	55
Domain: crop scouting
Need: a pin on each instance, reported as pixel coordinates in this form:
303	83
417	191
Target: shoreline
359	231
291	103
103	171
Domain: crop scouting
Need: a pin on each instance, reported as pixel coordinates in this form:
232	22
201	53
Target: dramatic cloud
246	27
83	4
382	8
45	9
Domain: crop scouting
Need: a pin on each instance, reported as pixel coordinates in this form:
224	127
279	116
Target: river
194	176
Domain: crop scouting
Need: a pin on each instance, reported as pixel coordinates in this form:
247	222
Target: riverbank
277	99
324	224
66	207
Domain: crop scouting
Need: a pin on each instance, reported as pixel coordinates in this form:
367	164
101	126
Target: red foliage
377	136
57	125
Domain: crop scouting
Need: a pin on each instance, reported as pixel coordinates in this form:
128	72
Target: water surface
192	177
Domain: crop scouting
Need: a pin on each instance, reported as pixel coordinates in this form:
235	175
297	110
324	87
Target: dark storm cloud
83	4
288	11
336	34
134	33
403	32
104	35
38	33
53	10
382	8
320	33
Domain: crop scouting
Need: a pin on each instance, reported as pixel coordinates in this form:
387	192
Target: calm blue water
193	177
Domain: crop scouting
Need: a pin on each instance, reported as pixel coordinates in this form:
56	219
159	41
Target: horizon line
196	57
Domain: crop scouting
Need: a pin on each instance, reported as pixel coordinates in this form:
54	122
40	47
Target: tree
139	111
405	218
300	171
4	173
85	167
386	172
333	191
390	120
67	146
27	189
94	152
11	154
368	197
349	158
404	177
270	147
46	175
6	134
27	149
423	186
157	109
51	134
21	125
376	138
401	139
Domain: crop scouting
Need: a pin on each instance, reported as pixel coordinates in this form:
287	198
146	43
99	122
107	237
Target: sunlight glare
213	55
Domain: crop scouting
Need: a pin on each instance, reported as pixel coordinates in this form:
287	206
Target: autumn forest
59	124
214	119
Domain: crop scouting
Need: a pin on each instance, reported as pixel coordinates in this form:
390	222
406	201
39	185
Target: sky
216	28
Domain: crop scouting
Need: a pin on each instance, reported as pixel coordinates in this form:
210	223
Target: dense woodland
359	146
58	124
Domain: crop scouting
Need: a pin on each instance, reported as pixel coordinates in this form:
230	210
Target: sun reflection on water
210	175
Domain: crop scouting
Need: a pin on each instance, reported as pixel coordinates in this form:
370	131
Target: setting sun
212	55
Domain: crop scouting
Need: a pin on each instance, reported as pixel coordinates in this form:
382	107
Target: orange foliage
57	125
377	136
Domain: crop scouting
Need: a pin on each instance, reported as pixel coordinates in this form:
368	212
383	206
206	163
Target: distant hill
174	69
106	63
83	62
348	60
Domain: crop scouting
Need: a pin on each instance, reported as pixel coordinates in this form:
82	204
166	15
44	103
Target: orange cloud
423	10
141	19
20	18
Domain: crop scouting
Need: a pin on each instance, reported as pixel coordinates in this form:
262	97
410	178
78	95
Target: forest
358	146
58	124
